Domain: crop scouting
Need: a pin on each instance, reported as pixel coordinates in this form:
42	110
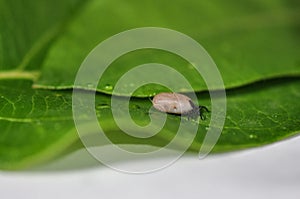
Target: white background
267	172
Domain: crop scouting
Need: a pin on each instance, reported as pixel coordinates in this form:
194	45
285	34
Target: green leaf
262	113
258	114
27	28
249	40
37	125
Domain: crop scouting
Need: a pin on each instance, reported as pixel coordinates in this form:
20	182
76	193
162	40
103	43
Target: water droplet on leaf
102	106
252	136
153	94
108	87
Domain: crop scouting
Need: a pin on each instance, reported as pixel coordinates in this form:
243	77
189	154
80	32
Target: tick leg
202	116
201	112
203	107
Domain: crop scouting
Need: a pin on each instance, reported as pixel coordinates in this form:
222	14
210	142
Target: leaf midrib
32	120
45	39
19	74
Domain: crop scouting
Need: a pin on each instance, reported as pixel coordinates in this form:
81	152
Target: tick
178	104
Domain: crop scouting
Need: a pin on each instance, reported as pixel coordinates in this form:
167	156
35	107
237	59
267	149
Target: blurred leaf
27	28
249	40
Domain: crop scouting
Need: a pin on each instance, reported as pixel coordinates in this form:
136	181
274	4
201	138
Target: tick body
178	104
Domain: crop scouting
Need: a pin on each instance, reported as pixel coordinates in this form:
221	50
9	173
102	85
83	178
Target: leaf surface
27	28
249	41
37	125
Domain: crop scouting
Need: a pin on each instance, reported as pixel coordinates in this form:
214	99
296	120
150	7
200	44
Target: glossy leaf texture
255	45
37	125
249	41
